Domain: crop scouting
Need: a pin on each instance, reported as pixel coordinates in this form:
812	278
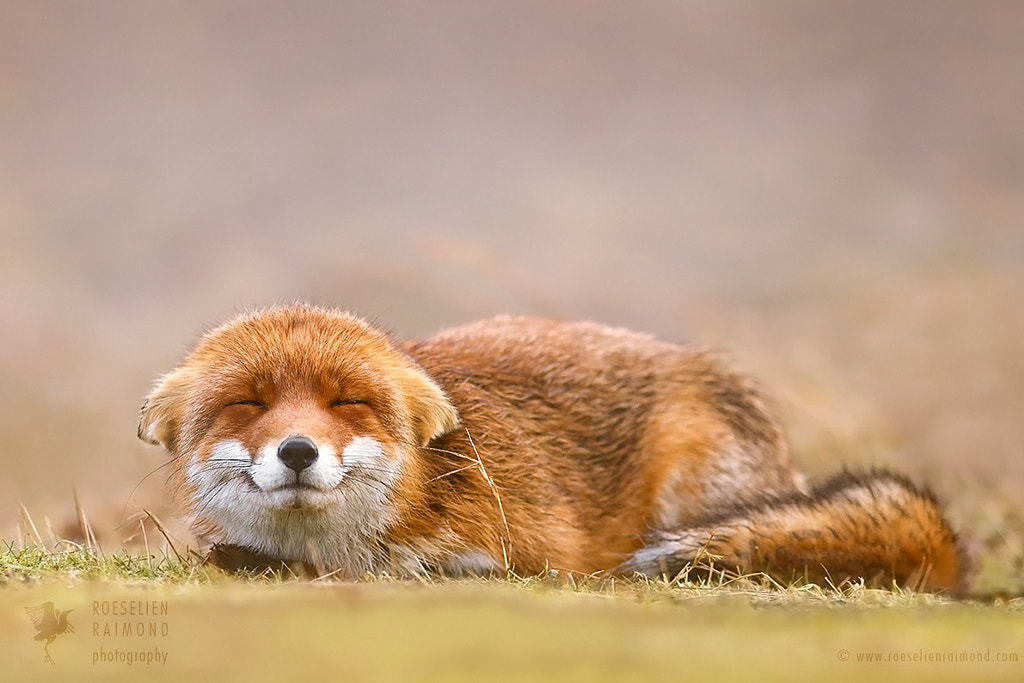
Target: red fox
306	437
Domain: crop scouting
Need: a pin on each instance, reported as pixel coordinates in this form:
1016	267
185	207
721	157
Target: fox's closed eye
256	404
348	402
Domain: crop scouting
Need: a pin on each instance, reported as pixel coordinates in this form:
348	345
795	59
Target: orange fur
510	444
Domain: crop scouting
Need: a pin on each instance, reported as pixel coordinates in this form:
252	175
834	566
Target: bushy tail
878	527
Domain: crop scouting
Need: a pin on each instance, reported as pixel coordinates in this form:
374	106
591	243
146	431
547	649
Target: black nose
297	453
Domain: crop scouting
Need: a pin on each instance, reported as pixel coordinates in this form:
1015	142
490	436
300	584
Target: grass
554	627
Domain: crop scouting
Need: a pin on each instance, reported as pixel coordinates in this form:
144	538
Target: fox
307	438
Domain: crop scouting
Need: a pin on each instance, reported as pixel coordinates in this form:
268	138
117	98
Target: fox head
293	415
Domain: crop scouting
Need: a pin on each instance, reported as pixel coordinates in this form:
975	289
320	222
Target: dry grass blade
83	524
145	540
29	525
506	541
54	541
163	532
452	472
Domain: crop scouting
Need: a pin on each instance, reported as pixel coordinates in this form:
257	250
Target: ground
536	628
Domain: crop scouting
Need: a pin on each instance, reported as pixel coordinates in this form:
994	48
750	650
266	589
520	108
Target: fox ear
161	413
432	413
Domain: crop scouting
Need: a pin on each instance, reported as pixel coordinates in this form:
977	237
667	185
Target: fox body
306	436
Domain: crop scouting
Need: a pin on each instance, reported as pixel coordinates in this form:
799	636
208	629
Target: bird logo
49	623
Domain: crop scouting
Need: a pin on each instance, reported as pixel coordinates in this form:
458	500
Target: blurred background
831	192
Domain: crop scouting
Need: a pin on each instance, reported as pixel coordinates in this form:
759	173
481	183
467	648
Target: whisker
131	495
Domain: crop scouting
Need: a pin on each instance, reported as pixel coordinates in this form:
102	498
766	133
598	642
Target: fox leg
878	527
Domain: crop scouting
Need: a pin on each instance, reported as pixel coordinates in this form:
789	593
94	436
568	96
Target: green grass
231	627
76	564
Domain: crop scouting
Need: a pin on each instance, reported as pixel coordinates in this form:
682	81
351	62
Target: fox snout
297	453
